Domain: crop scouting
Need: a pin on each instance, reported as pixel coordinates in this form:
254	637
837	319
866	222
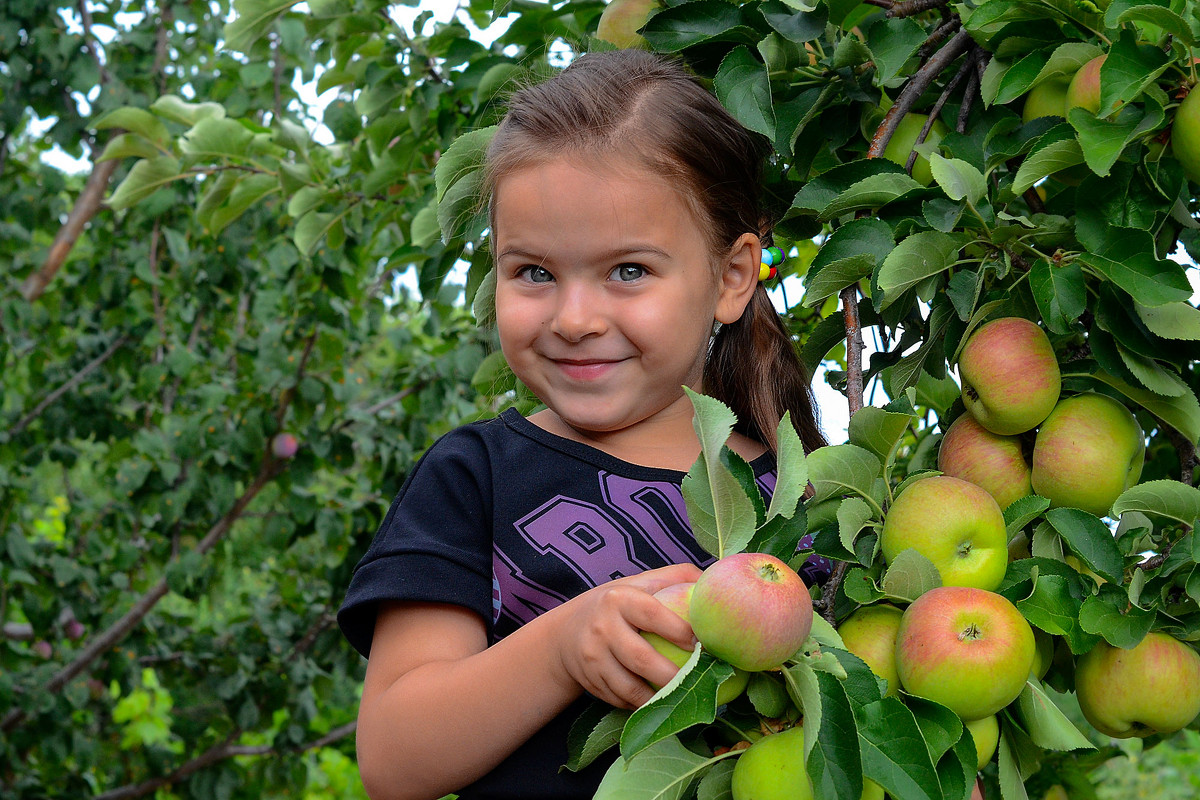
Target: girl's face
606	291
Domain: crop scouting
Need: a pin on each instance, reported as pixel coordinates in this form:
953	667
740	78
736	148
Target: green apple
986	733
870	633
1152	688
1088	451
905	137
968	649
1084	89
1185	135
1047	99
954	524
677	597
620	21
992	462
751	610
1010	376
773	769
1056	792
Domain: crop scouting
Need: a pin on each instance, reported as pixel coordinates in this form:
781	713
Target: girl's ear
738	278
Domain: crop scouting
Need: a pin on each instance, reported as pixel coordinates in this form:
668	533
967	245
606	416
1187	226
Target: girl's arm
441	709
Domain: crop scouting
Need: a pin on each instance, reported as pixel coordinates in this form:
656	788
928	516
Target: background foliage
220	276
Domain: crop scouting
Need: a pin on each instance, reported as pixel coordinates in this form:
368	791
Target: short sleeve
435	543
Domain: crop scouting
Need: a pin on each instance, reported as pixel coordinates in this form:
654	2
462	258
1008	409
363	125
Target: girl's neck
666	442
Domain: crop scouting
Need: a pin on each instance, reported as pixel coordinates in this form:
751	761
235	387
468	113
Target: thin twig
939	35
936	110
910	8
75	380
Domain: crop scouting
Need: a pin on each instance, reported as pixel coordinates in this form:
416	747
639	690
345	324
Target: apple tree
938	169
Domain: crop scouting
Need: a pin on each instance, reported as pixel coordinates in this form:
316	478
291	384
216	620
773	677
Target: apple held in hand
751	610
968	649
954	524
677	597
1153	688
870	633
1010	376
1088	451
992	462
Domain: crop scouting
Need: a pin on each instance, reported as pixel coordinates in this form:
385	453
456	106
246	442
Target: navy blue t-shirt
509	520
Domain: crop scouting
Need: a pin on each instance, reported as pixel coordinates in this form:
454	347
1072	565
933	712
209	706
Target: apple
773	769
620	21
1088	451
992	462
1084	89
43	648
966	648
751	610
1185	135
284	445
677	597
986	734
870	633
905	137
1152	688
1047	99
1056	792
1010	376
954	524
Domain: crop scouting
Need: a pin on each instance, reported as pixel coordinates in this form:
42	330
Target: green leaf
1012	785
248	190
179	110
1046	723
252	21
878	430
1023	511
663	771
216	138
791	470
853	515
850	253
1045	160
462	158
1158	15
460	204
1113	616
909	576
147	177
1091	540
1060	293
894	753
678	27
1162	498
311	229
139	121
592	733
914	259
1151	374
128	145
1053	606
425	228
958	179
1129	262
842	469
800	27
690	698
822	190
768	696
892	42
872	193
1175	320
833	762
742	86
733	510
1127	71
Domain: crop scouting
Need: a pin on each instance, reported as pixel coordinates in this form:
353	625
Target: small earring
772	257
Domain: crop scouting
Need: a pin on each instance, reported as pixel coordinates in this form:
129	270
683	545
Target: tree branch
967	67
75	380
910	8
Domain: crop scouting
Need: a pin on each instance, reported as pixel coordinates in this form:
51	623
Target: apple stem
970	632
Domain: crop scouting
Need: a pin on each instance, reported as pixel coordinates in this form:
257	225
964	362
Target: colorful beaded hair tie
772	257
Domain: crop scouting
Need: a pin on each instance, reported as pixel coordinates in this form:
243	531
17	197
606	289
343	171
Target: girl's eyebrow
614	253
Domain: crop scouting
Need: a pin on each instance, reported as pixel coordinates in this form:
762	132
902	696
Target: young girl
510	579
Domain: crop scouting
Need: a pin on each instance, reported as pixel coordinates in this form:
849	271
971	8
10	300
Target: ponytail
753	368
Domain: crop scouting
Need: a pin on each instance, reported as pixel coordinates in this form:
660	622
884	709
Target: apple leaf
1052	155
1059	292
711	484
914	259
791	471
894	752
1090	539
860	587
849	254
1046	723
853	516
909	576
1127	71
832	751
842	469
743	87
595	730
1023	511
1111	615
768	696
1054	604
688	699
956	769
878	430
717	783
1177	320
940	726
1012	786
1162	498
872	193
780	536
959	179
822	190
664	771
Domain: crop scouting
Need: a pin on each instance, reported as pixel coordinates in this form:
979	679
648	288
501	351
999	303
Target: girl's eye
629	272
536	274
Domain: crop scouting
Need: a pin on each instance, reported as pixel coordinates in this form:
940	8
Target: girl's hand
601	648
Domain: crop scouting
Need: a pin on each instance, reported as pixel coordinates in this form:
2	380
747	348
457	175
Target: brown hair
640	105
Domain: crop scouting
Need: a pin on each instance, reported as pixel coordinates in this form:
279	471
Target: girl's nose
579	313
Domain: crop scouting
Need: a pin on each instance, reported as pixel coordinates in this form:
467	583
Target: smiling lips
585	369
